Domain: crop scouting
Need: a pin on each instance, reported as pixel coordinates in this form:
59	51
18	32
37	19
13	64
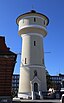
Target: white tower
32	29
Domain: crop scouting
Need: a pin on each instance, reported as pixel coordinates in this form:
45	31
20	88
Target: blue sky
53	42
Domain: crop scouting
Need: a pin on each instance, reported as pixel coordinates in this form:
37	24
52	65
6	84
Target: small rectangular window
34	19
34	43
44	22
43	61
23	20
25	60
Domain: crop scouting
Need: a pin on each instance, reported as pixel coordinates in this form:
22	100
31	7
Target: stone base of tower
24	95
33	83
33	95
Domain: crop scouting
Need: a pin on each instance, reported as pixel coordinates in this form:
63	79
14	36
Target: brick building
7	63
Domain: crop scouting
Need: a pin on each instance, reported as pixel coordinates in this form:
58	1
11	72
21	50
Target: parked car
62	98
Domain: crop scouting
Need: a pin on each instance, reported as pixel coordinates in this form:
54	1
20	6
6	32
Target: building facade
57	81
15	84
32	29
7	63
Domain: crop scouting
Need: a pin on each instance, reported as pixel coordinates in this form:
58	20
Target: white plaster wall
33	54
24	83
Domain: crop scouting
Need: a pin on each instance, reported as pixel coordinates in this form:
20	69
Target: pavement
36	101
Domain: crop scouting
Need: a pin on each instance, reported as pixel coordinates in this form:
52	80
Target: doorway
35	87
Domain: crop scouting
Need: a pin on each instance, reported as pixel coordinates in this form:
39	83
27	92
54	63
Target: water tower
32	29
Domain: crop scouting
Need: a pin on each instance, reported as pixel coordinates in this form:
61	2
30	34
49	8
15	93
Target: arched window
35	73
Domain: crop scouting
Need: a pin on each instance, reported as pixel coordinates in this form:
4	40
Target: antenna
32	6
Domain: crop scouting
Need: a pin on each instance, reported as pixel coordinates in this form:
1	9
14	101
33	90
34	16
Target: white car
62	98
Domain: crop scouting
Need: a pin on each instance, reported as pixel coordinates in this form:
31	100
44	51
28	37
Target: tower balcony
33	29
